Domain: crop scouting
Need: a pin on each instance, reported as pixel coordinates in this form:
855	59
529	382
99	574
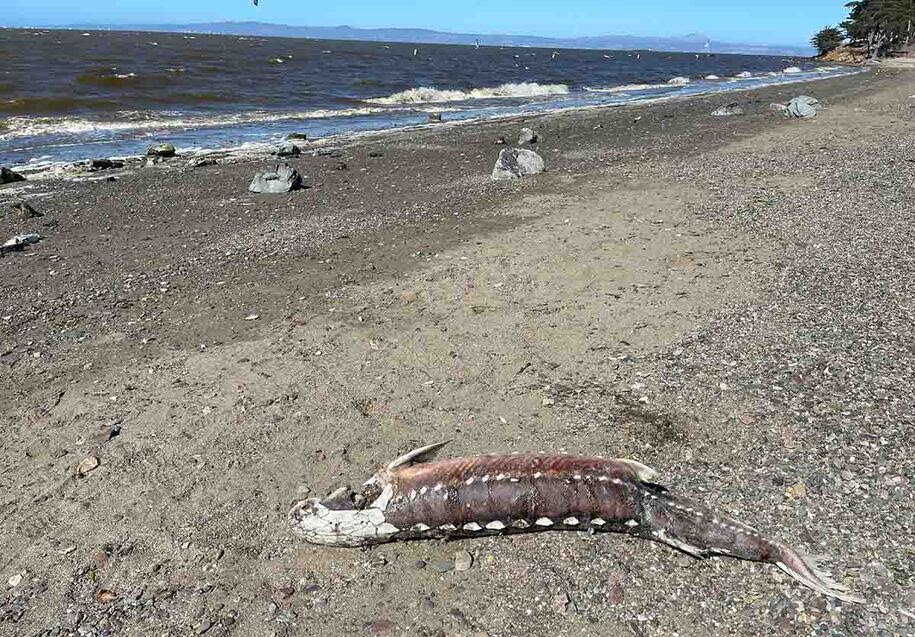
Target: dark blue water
68	95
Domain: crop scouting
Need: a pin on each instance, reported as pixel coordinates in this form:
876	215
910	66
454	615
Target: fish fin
422	454
643	472
686	547
807	571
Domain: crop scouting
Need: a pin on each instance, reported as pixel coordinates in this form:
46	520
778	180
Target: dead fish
414	498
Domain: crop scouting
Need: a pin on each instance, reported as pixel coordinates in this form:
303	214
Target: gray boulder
161	150
528	136
517	162
283	178
287	149
802	106
728	110
7	176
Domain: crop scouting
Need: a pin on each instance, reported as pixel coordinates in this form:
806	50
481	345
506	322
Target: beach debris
283	178
161	150
802	106
495	495
7	176
200	162
24	211
728	110
88	465
435	118
104	164
297	137
104	596
18	243
528	136
287	149
678	81
517	162
341	165
778	108
501	142
15	580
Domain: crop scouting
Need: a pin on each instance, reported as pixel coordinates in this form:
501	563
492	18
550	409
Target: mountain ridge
691	43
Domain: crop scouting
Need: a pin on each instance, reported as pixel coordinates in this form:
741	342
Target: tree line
879	26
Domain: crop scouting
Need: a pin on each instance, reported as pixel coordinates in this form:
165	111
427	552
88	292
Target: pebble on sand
89	464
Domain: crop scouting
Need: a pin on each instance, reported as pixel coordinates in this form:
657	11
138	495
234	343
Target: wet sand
728	300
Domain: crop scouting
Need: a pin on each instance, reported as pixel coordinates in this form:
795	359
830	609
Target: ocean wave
428	95
36	126
626	88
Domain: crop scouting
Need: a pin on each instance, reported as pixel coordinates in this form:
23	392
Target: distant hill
694	42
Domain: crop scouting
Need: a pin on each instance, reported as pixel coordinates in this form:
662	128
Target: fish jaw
320	525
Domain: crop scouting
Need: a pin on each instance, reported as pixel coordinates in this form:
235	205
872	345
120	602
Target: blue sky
774	21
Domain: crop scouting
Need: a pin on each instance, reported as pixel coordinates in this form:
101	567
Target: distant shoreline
687	44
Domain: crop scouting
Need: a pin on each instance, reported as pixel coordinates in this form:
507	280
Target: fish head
338	521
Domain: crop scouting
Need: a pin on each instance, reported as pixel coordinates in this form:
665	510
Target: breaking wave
427	95
37	126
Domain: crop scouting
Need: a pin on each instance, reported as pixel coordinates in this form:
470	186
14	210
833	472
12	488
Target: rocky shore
728	299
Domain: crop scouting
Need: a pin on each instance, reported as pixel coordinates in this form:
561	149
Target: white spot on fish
423	490
448	527
538	475
495	525
521	524
631	523
486	478
598	522
438	487
419	527
469	481
501	476
577	476
571	521
603	478
472	526
544	522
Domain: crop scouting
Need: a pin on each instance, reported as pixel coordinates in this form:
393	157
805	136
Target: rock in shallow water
283	178
517	162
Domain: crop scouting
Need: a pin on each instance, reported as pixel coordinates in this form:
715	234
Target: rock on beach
728	110
283	178
517	162
7	176
161	150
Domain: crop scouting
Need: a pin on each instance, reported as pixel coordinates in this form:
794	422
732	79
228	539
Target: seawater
71	95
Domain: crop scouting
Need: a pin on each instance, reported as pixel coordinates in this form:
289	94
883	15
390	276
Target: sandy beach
728	300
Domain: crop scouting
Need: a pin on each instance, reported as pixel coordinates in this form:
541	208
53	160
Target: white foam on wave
626	88
678	81
429	95
793	69
35	126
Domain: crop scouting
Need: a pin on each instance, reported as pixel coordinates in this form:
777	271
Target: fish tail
806	570
700	531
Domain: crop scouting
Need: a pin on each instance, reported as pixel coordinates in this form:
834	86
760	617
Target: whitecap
426	94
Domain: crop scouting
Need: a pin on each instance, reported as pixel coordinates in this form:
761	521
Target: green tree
827	39
880	25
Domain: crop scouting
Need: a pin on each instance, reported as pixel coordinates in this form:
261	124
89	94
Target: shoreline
684	290
255	149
